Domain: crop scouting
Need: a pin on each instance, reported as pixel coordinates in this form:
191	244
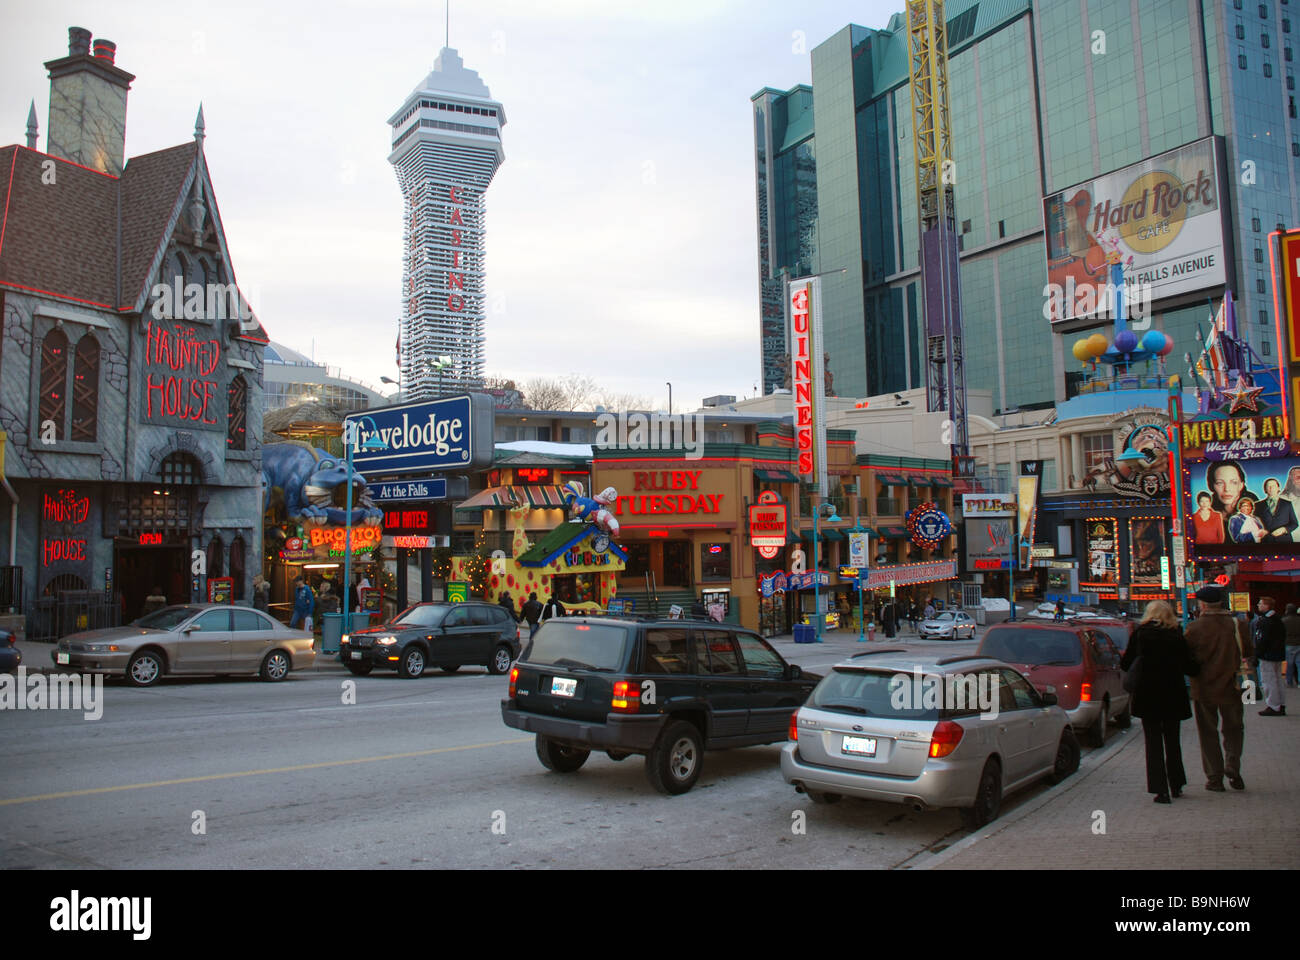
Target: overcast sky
621	227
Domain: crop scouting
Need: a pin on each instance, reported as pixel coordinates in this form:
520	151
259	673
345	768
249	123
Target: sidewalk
1250	829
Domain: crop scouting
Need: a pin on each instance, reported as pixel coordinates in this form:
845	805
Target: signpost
457	591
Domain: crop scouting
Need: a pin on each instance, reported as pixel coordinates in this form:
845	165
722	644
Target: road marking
255	773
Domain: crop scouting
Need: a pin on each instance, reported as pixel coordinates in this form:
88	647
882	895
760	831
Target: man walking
304	605
1219	643
532	612
1269	636
1292	623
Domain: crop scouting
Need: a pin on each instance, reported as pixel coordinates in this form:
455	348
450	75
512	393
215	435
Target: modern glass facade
1044	95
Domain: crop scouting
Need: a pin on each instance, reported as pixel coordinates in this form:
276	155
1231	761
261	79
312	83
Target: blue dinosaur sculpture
314	484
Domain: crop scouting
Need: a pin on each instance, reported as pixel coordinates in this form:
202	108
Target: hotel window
1264	41
715	561
1241	61
1254	224
1263	318
1097	449
1241	31
1267	349
1268	69
1286	53
85	390
544	434
1259	284
1290	80
1295	148
1259	255
53	402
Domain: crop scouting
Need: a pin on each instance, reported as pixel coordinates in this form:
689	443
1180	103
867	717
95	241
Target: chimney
88	105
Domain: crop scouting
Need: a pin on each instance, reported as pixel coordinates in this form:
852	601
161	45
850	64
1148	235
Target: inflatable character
592	509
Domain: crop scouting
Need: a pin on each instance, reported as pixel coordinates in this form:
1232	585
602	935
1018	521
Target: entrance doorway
139	570
677	563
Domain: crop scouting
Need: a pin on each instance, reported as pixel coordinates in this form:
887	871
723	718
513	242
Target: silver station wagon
929	732
193	639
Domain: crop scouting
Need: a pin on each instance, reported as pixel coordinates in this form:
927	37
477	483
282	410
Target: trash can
331	632
805	633
360	621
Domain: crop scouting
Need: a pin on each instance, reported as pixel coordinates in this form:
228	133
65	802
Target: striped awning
503	498
938	481
776	476
894	533
892	479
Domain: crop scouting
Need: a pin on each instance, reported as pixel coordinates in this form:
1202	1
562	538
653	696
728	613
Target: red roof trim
71	163
61	296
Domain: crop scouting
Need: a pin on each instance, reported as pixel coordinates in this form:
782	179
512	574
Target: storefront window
638	560
575	587
715	561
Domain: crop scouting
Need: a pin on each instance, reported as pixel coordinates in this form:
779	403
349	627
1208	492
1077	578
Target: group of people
309	601
534	612
1228	512
1216	652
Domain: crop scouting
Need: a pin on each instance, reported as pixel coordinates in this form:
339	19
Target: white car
949	625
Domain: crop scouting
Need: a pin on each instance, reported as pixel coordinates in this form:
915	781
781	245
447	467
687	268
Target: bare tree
570	392
616	402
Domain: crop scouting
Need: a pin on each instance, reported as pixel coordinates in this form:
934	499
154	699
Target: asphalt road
415	773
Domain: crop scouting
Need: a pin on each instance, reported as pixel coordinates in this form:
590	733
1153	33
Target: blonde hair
1159	613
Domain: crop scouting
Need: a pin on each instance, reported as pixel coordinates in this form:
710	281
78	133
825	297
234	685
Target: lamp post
861	568
372	442
1179	536
817	576
670	398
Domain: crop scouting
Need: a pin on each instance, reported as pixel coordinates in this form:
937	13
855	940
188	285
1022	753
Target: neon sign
802	381
178	369
533	474
455	281
150	539
66	507
52	551
335	538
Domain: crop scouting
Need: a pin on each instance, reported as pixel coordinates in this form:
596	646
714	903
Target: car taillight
514	678
945	738
1085	692
627	696
794	727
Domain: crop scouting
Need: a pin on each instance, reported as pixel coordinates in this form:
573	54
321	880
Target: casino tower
446	149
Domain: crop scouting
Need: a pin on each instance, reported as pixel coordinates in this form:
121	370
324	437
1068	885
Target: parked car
10	656
867	731
1118	630
1078	663
444	635
193	639
948	625
665	689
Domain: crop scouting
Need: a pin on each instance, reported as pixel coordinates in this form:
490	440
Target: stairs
668	596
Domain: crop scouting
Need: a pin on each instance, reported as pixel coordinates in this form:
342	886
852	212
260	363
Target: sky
621	228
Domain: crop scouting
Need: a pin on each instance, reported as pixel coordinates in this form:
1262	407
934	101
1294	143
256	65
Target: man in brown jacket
1219	643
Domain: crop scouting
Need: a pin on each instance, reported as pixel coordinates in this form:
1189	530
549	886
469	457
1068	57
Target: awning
776	476
892	479
828	534
937	481
502	498
895	533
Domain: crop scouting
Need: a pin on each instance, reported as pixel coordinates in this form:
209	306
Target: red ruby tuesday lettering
660	504
177	367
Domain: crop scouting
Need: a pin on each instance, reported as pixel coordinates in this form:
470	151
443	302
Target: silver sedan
949	625
189	640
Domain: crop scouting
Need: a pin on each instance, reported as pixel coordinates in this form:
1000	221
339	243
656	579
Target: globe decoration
1126	341
1098	344
1082	350
1168	348
928	525
1154	341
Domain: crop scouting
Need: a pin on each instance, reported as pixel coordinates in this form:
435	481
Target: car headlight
385	641
102	648
346	637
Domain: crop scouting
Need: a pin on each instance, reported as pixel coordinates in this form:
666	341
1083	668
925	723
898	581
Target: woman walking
1158	653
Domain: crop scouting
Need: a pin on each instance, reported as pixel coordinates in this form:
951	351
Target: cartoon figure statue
592	509
312	484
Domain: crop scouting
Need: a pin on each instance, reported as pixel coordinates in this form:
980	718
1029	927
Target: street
224	773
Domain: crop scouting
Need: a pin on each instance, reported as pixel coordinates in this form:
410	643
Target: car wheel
674	762
359	669
412	663
1096	735
1125	719
617	754
450	667
275	666
559	758
988	799
817	796
145	669
1067	757
501	660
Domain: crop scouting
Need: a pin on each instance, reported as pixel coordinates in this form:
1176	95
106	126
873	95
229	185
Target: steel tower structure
446	149
945	374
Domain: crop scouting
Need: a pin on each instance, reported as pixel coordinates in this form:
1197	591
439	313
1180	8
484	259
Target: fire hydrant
871	631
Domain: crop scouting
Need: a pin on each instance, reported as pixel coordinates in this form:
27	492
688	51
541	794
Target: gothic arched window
236	413
85	390
53	403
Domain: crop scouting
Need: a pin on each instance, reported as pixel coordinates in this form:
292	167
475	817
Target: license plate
62	658
562	687
357	654
859	746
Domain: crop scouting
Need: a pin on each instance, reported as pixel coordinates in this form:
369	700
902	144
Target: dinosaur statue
314	486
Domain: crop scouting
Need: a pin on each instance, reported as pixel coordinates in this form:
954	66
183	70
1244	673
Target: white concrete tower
446	149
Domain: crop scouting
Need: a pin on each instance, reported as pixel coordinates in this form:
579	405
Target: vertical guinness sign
808	380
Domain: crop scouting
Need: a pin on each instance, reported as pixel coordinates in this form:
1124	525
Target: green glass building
1045	96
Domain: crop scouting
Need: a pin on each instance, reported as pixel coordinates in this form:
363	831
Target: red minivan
1080	664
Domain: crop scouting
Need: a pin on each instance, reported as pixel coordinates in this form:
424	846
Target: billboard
1244	507
988	543
807	379
1102	536
1031	472
1146	545
988	505
1145	232
450	434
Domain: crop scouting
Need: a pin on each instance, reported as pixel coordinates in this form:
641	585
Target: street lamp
829	509
440	364
670	398
372	442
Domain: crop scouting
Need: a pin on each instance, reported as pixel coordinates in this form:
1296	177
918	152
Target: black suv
666	689
444	635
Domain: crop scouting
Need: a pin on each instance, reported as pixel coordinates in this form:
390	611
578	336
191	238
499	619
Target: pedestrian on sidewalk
1159	649
1219	644
1291	620
507	602
532	612
1269	636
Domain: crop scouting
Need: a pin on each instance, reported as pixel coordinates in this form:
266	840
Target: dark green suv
665	689
445	635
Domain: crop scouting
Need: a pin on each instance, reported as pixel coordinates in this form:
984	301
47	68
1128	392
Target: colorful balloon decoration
1126	341
1099	344
1082	350
1154	341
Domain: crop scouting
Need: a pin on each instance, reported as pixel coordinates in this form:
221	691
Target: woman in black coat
1160	696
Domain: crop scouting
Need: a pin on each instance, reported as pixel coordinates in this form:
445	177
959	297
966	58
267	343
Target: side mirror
193	627
1049	699
793	671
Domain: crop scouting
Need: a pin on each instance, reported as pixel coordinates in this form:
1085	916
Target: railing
889	507
11	589
72	611
1146	381
841	505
